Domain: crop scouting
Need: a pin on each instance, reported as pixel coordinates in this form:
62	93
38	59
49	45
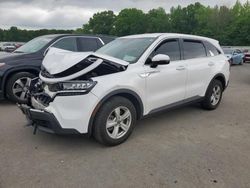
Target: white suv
104	93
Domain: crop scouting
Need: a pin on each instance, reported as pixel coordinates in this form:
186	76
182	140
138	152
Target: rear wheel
213	95
115	121
17	86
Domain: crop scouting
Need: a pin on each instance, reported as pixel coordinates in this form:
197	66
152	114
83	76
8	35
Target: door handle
211	64
180	68
148	73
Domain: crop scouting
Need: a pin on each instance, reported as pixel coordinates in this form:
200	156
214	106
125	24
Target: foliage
129	21
15	34
229	25
100	23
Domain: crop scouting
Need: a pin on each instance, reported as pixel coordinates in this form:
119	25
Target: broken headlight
78	85
72	86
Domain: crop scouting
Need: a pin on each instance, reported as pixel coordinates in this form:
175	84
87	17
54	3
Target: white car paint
156	87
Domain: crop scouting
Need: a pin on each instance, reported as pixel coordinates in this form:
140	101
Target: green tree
100	23
130	21
158	21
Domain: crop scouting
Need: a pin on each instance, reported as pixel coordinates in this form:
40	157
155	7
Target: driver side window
170	48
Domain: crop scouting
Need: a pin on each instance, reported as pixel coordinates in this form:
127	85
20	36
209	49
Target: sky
71	14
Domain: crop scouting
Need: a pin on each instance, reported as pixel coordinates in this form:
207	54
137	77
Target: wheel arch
221	78
11	72
126	93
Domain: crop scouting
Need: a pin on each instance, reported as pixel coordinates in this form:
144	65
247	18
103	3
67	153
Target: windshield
35	45
127	49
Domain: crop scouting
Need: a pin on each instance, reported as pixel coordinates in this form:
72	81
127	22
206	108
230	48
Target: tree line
23	35
229	25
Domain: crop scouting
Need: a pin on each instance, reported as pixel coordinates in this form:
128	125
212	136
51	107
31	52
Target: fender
120	92
16	70
223	81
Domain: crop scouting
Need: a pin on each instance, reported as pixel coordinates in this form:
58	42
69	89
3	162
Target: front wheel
17	86
114	122
213	95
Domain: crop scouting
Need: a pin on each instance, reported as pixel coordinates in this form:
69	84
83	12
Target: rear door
198	65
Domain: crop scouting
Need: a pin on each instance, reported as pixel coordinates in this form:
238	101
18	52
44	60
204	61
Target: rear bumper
44	121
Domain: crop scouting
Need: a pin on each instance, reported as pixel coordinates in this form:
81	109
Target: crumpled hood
58	60
62	65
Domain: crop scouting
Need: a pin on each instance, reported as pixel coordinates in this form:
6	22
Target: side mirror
160	59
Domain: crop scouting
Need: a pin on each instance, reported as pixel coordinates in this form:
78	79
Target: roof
105	38
155	35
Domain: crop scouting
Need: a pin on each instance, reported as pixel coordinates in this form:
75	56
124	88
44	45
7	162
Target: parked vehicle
8	47
106	92
19	67
236	57
246	56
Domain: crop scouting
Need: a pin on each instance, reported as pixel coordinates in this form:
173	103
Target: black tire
10	84
207	102
100	132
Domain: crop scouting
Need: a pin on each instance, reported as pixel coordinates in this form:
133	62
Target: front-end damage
66	74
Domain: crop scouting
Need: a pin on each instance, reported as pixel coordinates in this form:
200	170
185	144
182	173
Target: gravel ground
186	147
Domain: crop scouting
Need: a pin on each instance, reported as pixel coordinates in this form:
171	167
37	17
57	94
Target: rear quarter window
212	50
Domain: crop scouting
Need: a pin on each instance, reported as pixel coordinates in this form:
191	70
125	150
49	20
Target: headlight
82	85
72	86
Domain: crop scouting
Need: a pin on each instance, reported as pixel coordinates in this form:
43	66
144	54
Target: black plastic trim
45	121
184	102
224	78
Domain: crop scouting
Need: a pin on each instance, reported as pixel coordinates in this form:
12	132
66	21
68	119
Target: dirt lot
186	147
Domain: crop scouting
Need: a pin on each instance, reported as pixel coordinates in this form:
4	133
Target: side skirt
184	102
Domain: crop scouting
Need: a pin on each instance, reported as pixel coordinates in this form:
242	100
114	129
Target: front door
166	84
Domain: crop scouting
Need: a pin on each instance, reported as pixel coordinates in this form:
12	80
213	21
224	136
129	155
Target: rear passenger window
87	44
193	49
170	48
212	50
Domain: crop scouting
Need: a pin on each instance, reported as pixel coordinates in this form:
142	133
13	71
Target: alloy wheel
216	94
118	122
20	88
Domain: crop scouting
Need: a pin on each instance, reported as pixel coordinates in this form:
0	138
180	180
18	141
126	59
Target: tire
17	87
213	95
104	132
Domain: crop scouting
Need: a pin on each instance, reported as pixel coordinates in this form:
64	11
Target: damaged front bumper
45	121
